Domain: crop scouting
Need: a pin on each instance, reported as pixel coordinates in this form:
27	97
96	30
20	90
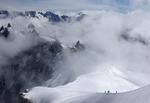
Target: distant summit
52	17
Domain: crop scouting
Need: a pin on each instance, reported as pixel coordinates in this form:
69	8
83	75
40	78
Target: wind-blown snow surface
49	95
116	56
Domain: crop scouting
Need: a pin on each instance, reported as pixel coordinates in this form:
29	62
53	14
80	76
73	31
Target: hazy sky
73	4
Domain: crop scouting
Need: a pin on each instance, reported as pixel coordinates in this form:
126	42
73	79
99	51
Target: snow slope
137	96
90	83
116	57
53	95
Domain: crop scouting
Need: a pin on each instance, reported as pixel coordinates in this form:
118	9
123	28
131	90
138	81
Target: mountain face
32	66
4	13
57	57
27	69
52	17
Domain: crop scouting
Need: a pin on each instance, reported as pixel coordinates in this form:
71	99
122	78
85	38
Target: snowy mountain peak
52	17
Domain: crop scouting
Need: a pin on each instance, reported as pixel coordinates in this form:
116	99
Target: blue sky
73	4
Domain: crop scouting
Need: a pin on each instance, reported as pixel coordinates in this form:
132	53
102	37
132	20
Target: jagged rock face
4	31
77	47
4	13
80	17
138	39
17	13
27	69
66	18
52	17
30	13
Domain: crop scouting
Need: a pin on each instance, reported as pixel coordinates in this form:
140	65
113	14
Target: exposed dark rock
27	69
24	100
30	13
65	18
56	18
9	25
4	13
80	17
4	32
137	39
77	47
41	13
48	14
52	17
17	13
2	28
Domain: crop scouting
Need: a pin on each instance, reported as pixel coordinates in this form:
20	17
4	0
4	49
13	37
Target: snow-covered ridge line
54	17
116	57
137	96
40	94
27	66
